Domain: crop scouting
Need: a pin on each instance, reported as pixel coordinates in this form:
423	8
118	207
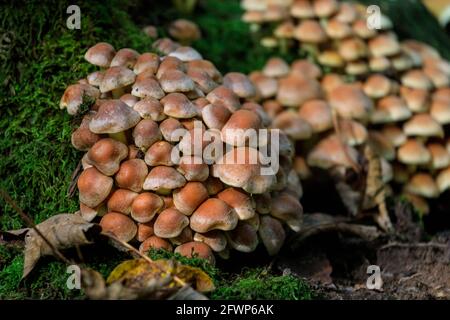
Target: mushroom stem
283	44
310	49
119	136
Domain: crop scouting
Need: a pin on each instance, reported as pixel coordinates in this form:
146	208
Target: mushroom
163	179
196	249
116	79
120	201
272	234
119	225
155	243
145	206
170	223
77	94
213	214
243	238
100	54
131	174
106	155
242	203
189	197
215	239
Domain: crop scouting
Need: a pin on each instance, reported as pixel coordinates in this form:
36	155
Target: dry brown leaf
140	279
63	231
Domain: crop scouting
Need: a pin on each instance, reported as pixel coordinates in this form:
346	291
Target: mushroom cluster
337	34
404	119
151	122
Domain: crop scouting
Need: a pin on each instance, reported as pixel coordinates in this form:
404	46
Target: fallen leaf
63	231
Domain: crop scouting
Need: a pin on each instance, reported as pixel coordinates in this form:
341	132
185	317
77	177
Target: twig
74	179
415	245
31	224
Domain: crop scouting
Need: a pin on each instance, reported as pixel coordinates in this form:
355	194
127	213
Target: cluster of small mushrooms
361	87
145	107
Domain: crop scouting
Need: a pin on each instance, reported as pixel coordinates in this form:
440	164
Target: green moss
257	284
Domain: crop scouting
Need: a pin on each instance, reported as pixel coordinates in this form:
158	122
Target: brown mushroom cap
213	214
240	84
146	86
189	197
423	125
336	29
120	200
75	95
235	133
170	64
413	152
384	45
116	78
215	239
163	179
243	238
156	243
287	208
184	30
241	202
352	132
302	9
377	86
106	155
89	214
82	138
148	62
416	99
170	223
125	57
215	115
213	185
276	67
93	187
325	8
416	79
350	102
131	174
114	116
353	49
310	31
390	109
196	249
422	184
146	133
440	111
318	114
224	96
272	234
394	134
305	68
293	125
119	225
177	105
145	230
294	90
440	157
193	168
145	206
170	129
159	154
330	152
100	54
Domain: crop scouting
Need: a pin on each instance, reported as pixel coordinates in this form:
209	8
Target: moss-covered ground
39	57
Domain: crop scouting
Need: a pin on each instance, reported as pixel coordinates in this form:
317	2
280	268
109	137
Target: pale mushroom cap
240	201
293	125
106	155
443	180
125	57
120	201
162	179
353	49
154	242
357	68
310	31
391	109
379	64
189	197
294	90
440	157
243	238
147	86
413	152
272	234
350	102
213	214
276	67
240	84
131	174
198	249
330	152
117	77
353	132
120	225
318	114
145	206
423	125
186	54
100	54
440	111
150	108
176	81
336	29
416	79
215	239
416	99
422	184
377	86
287	208
93	187
394	134
148	62
169	223
114	116
384	45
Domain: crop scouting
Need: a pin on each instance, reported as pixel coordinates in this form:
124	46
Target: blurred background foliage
40	57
